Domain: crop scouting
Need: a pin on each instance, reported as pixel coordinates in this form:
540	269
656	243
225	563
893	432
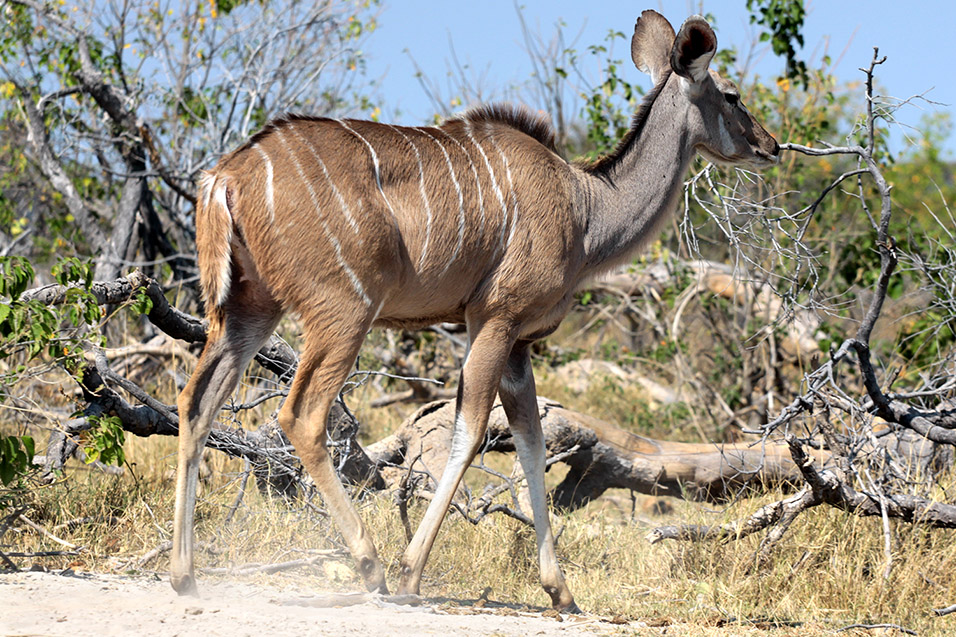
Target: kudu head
721	127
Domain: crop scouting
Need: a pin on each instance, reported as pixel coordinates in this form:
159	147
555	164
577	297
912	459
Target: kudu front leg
476	394
519	399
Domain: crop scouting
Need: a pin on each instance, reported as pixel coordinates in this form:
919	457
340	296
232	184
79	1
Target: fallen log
600	456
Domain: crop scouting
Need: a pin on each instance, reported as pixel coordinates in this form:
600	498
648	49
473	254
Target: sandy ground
46	603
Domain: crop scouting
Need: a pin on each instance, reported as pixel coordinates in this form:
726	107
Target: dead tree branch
856	454
600	456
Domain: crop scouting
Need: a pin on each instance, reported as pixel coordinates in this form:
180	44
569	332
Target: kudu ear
694	47
652	43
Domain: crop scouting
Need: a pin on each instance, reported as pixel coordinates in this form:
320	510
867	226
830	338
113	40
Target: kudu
353	224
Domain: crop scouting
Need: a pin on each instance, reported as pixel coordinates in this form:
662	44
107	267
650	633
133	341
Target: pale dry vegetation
826	574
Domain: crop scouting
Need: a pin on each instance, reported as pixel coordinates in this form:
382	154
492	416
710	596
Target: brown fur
352	223
215	224
517	116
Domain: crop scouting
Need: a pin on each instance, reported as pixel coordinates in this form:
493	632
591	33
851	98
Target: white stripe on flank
270	200
346	210
421	188
378	312
494	182
481	199
461	199
359	288
378	173
511	187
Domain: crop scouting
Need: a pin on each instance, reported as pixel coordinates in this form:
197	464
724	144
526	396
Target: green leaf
16	457
29	445
142	304
106	441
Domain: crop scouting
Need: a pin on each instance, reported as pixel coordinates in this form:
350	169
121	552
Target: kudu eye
731	98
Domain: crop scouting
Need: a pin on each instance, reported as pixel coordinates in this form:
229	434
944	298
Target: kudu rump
352	224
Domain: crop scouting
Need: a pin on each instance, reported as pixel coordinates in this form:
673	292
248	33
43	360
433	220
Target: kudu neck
630	194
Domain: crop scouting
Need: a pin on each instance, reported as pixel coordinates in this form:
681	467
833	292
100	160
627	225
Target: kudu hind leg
322	371
519	399
476	393
229	348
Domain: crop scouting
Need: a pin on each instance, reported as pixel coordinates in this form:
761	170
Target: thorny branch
858	455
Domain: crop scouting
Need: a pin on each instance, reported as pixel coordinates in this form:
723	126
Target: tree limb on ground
604	457
823	486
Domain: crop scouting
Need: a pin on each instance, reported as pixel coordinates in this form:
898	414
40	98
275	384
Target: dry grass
827	573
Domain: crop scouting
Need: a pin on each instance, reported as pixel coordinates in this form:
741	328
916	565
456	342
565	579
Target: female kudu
352	224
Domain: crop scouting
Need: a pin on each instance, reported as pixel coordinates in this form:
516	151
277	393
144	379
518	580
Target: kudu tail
214	232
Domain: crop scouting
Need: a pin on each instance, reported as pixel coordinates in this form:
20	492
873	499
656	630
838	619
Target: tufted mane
519	117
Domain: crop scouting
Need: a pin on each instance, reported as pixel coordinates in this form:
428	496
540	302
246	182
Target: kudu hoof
570	609
185	585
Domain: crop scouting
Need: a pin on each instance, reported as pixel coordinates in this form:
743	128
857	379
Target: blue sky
487	37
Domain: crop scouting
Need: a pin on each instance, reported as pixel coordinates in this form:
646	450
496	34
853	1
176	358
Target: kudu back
352	224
